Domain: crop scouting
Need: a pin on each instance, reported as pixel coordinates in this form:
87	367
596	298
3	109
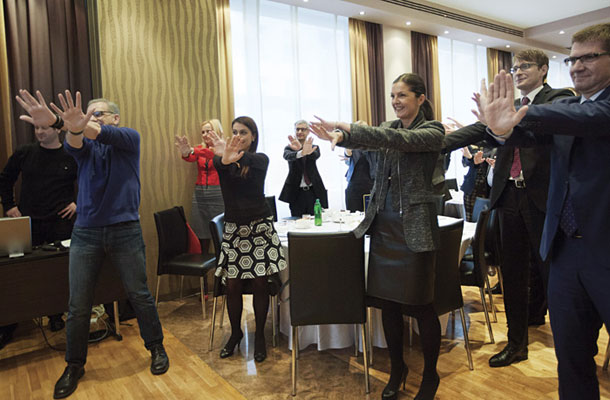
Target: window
291	63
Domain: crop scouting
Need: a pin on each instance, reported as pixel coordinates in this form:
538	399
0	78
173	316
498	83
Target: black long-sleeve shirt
47	180
244	196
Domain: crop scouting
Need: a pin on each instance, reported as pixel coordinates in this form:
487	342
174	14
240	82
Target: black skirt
395	272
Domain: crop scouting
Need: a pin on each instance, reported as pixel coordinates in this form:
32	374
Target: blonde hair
216	125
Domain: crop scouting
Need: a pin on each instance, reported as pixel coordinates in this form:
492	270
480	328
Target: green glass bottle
317	212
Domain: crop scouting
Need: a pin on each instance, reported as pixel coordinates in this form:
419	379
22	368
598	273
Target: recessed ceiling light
361	12
508	46
479	40
554	56
408	22
305	1
561	32
446	32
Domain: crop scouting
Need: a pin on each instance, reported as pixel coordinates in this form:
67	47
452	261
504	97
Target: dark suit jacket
296	166
535	161
580	139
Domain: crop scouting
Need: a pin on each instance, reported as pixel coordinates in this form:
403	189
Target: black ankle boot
390	392
428	388
229	348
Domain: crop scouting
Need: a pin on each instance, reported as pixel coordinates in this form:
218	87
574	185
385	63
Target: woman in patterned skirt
250	248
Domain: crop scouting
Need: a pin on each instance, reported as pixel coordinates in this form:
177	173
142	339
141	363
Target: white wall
396	60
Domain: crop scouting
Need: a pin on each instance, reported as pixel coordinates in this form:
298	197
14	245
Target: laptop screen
15	236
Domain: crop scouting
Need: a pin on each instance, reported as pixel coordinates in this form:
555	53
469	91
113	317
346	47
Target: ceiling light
561	32
408	22
479	40
305	1
554	56
446	32
361	12
508	46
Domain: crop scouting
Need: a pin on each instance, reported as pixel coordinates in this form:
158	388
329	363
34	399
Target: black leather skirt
395	272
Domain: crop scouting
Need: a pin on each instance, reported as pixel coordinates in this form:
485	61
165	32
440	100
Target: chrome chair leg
295	345
365	358
501	280
356	338
466	341
491	297
157	292
410	331
181	284
369	338
491	334
274	320
223	309
202	298
213	324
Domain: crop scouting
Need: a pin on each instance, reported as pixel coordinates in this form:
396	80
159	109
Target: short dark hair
596	33
536	56
249	122
416	85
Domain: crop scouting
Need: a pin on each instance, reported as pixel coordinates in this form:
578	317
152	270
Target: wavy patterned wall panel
159	63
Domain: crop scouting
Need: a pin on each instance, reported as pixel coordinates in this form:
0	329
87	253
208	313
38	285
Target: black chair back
217	226
451	184
326	278
172	234
477	268
272	206
480	204
493	241
447	285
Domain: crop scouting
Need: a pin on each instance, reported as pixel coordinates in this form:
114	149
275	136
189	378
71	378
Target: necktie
305	176
515	169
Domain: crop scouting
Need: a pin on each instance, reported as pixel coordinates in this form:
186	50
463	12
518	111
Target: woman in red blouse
207	197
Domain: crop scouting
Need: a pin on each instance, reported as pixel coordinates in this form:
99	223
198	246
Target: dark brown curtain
374	37
498	60
48	50
424	60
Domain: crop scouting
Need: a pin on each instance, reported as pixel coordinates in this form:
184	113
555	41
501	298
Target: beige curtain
497	60
359	66
5	96
225	64
424	49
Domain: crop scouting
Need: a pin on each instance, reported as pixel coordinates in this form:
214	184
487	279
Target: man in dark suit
519	191
577	224
303	184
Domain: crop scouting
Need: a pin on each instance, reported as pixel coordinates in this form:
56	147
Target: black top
47	180
244	196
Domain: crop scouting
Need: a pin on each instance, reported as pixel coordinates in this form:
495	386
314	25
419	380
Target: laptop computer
15	236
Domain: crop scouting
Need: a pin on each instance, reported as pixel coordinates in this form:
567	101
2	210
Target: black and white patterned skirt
250	250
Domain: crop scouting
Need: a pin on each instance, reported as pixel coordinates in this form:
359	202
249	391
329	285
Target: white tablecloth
341	336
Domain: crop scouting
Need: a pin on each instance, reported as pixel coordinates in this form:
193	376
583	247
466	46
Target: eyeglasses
301	129
522	67
585	58
98	114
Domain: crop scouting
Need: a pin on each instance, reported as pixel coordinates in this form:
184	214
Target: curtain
424	59
359	68
497	60
374	38
5	97
47	50
225	67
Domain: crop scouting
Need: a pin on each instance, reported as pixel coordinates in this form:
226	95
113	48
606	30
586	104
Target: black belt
305	188
519	183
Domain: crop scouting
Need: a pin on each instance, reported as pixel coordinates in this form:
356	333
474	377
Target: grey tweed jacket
408	156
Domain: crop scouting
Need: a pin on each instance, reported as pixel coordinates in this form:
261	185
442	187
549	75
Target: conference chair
216	230
271	202
452	184
326	270
174	258
474	272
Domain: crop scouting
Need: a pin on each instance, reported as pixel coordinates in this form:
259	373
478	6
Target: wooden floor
120	370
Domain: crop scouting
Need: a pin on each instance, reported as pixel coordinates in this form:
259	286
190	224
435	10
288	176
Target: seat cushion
190	264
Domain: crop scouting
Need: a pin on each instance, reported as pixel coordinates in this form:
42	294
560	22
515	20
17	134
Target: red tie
515	169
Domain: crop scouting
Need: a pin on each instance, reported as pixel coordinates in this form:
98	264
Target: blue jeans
124	246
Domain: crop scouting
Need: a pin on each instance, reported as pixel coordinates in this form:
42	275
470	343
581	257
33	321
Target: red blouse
206	173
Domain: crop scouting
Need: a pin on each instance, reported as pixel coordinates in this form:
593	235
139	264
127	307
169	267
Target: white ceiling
539	20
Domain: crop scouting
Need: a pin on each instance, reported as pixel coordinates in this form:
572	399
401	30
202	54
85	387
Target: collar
532	95
592	98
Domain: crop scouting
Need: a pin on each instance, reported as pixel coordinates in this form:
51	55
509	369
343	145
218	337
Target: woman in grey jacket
401	220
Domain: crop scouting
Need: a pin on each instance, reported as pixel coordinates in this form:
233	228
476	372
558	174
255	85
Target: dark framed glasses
585	58
98	114
522	67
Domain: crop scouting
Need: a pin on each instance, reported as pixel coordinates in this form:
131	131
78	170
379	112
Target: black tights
429	333
260	302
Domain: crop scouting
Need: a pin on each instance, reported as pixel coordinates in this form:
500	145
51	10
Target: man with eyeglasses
519	192
303	184
577	225
107	223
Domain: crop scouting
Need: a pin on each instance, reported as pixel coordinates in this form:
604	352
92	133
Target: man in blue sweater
107	223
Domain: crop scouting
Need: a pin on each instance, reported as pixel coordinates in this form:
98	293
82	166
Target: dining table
337	336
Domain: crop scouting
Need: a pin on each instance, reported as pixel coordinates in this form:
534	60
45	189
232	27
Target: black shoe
68	382
260	348
428	388
159	362
390	392
496	289
56	323
536	321
510	354
6	334
229	348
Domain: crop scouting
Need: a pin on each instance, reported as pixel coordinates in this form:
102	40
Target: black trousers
303	204
521	226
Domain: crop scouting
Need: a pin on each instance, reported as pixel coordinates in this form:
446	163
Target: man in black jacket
303	184
519	191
